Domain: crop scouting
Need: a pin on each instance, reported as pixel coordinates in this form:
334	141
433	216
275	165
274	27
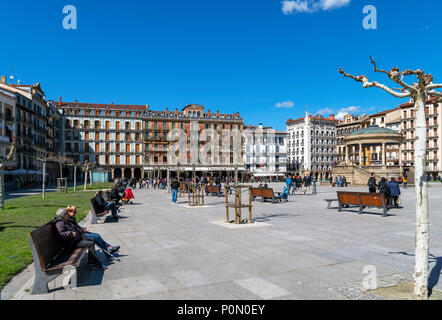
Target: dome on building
372	129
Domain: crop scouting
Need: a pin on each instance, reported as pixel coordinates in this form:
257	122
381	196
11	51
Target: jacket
395	191
115	194
383	187
100	201
174	185
65	230
129	194
372	182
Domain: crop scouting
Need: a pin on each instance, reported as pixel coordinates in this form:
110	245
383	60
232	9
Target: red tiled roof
383	112
311	117
102	106
411	104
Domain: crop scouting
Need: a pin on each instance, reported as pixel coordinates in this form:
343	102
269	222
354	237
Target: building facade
434	135
108	134
26	120
196	129
311	144
265	152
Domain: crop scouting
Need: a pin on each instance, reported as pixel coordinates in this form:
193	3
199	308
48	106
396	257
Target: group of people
296	183
338	181
390	189
72	236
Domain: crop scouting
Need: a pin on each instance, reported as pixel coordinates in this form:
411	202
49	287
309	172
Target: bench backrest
372	200
212	188
94	206
46	244
366	199
267	192
256	192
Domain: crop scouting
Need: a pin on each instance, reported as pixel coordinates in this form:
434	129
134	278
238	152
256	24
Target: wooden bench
95	212
213	189
265	193
362	200
50	259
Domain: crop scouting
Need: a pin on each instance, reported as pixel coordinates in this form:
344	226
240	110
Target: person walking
395	191
372	183
404	182
307	184
383	188
288	183
174	187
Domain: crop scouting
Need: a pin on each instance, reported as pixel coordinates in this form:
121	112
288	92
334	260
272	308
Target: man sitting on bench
115	195
103	206
103	245
71	237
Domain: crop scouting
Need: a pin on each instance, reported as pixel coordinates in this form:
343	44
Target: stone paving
294	250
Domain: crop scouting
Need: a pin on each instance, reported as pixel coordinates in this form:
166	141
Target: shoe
114	249
107	254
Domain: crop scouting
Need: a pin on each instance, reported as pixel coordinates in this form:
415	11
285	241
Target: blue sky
233	56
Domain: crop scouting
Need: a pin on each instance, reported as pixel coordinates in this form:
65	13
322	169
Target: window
117	124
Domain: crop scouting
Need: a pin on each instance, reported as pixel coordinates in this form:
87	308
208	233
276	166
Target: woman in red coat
129	195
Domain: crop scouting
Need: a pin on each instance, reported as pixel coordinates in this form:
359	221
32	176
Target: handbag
398	202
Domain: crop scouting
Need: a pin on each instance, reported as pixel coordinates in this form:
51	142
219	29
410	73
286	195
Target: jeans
174	195
98	240
91	254
111	206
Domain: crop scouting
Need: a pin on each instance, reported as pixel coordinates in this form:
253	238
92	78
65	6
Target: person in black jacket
115	195
383	188
105	206
174	186
70	235
87	235
372	183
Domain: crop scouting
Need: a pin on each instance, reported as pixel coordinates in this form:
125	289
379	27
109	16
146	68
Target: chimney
167	110
59	101
176	111
217	113
260	125
332	116
76	101
147	107
3	79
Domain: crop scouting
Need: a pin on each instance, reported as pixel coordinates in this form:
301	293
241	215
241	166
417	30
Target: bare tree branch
435	94
394	75
433	86
366	84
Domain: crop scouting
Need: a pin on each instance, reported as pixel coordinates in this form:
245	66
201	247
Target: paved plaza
295	250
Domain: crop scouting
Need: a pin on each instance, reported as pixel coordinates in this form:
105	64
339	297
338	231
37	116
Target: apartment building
26	120
198	129
265	152
311	144
434	135
110	135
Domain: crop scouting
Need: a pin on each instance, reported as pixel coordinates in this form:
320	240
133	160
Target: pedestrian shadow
434	277
4	225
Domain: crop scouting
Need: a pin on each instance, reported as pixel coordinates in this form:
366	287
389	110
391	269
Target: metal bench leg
40	279
361	208
340	207
93	218
384	214
329	204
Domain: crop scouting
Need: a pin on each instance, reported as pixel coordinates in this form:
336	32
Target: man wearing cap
71	238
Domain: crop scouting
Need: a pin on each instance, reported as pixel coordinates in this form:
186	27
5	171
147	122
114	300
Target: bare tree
61	160
9	157
44	159
419	92
75	164
87	168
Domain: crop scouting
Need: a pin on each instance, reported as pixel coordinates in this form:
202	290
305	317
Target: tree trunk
85	180
90	178
2	188
61	170
43	187
422	217
75	178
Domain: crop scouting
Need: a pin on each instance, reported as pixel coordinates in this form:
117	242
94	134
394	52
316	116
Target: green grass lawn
24	214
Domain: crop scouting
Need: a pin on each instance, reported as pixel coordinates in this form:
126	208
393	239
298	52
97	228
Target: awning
268	174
